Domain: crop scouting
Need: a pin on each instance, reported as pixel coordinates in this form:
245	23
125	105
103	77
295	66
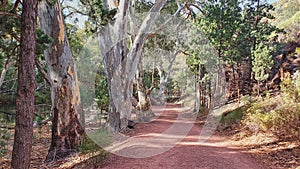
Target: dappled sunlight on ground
159	144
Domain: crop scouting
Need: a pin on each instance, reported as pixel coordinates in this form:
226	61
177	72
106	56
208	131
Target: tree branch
7	113
15	6
74	10
44	122
135	50
42	71
3	3
14	35
7	127
10	14
152	80
8	64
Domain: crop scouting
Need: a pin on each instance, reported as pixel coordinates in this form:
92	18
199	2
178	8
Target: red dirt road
166	149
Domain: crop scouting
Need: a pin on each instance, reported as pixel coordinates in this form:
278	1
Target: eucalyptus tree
67	121
122	41
120	61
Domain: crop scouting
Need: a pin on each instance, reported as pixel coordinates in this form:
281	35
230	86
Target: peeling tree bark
121	65
144	112
68	119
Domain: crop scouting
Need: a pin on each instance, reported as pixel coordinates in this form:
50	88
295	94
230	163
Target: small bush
232	117
279	115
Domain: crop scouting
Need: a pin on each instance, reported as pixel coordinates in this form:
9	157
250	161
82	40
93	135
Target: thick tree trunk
162	84
68	118
120	63
113	48
26	88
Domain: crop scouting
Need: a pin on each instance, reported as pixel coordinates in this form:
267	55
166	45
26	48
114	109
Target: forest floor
172	141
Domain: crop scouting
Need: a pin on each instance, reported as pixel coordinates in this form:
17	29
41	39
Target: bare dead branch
74	10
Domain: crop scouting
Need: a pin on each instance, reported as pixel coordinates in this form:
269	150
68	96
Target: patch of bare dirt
265	147
41	143
189	152
221	151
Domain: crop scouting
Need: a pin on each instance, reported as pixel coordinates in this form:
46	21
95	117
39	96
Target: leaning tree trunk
26	88
120	62
144	112
67	123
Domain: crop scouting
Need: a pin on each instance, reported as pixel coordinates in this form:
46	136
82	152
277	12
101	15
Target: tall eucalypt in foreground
67	122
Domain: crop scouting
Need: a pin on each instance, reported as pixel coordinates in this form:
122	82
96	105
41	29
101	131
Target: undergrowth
95	153
4	137
233	117
279	115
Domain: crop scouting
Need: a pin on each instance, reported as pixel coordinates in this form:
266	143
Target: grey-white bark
68	119
121	65
8	64
164	78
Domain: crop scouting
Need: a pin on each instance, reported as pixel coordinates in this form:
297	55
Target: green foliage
4	138
9	44
100	136
88	146
42	40
52	2
9	33
98	14
221	23
233	117
143	6
148	78
77	39
42	97
285	9
101	91
171	87
262	62
291	87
